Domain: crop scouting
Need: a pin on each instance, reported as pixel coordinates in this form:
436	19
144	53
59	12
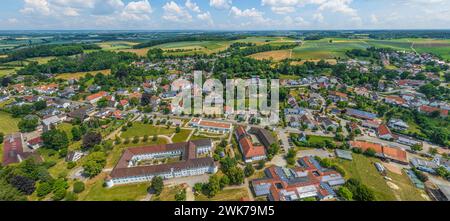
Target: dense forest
244	49
48	50
188	38
94	61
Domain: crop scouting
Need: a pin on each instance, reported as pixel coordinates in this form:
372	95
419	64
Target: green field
140	130
225	195
6	71
182	136
8	124
362	168
259	40
42	60
193	47
318	139
324	49
132	192
168	194
66	127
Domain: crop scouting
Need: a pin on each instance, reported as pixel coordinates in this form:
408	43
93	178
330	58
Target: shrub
78	187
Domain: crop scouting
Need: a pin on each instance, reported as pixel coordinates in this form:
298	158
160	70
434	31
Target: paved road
284	140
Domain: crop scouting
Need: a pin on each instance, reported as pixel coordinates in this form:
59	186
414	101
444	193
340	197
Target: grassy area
168	194
226	195
1	153
117	151
318	139
140	130
42	60
97	192
362	168
182	136
78	75
8	124
6	71
66	127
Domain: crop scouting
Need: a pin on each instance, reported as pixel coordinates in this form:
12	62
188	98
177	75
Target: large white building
131	167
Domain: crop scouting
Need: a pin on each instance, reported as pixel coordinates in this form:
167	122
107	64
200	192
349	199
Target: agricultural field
192	47
6	71
42	60
78	75
399	189
326	48
8	124
266	40
273	55
331	48
116	45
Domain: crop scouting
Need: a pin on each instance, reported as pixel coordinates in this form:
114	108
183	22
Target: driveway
190	181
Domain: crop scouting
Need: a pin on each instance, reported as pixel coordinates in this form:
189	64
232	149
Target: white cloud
318	17
374	19
41	7
140	10
253	14
283	10
206	17
71	12
192	6
174	12
220	4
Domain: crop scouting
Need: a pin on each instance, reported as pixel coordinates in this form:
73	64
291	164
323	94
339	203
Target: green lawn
1	153
362	168
66	127
8	124
140	130
168	194
182	136
226	195
318	139
132	192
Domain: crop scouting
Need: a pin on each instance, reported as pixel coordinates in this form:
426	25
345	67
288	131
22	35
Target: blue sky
224	14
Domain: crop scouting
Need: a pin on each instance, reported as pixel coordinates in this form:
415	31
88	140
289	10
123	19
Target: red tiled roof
96	95
12	148
123	102
339	94
396	99
389	152
428	109
383	130
35	141
366	145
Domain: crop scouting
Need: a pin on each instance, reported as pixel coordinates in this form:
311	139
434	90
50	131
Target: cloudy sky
223	14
